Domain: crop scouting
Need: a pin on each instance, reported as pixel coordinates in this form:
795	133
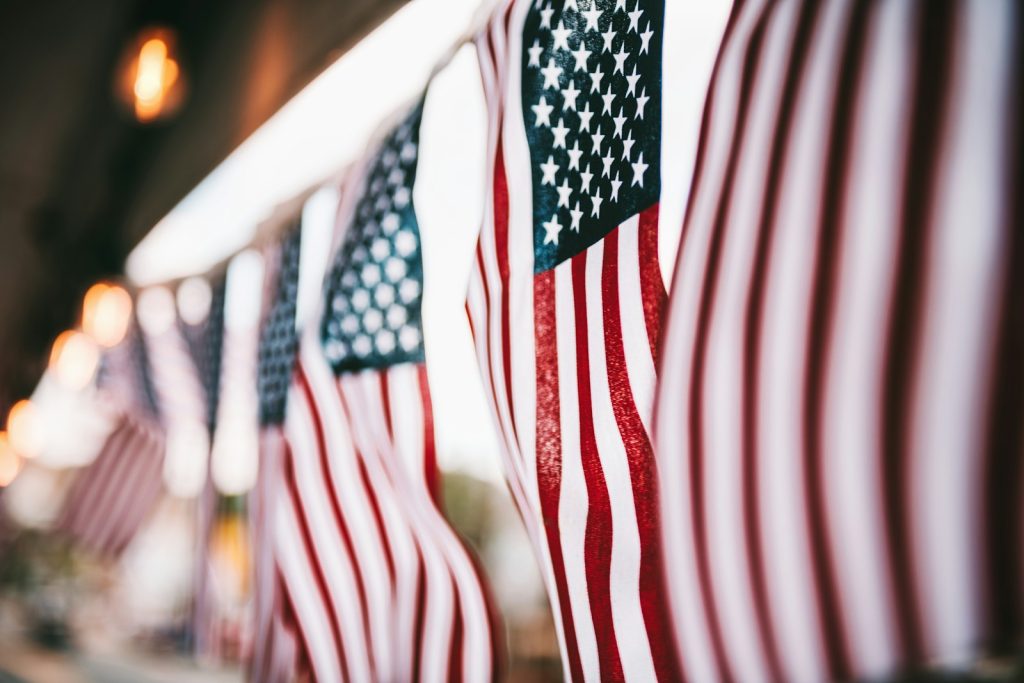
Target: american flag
110	498
565	303
839	420
274	654
381	585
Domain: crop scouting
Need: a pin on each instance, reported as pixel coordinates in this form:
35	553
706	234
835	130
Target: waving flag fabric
275	654
565	306
381	585
839	420
112	496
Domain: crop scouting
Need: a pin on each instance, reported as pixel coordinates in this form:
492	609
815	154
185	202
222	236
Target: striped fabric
565	313
381	586
842	400
274	651
110	498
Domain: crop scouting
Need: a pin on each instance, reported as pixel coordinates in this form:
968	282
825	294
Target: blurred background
142	145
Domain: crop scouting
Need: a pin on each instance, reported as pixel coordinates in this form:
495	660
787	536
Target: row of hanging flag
802	462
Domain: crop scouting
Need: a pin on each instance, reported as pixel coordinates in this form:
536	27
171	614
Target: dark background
81	182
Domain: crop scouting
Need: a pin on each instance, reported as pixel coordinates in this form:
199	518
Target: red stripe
642	471
303	668
937	23
501	252
421	611
652	285
313	560
430	471
549	450
598	538
455	673
303	382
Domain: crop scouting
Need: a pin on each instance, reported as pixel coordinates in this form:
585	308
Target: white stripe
853	384
959	331
627	615
635	343
573	502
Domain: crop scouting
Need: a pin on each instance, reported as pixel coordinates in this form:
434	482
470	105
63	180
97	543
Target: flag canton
279	337
144	376
206	344
592	110
374	288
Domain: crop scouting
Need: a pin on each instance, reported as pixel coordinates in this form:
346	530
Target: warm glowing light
106	313
74	359
155	74
156	310
194	297
10	463
25	429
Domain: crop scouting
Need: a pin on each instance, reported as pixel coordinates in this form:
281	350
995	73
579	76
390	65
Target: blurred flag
383	588
839	420
110	498
274	651
565	305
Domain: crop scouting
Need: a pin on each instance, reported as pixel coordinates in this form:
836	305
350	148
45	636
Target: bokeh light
156	310
194	298
26	432
106	313
74	359
10	463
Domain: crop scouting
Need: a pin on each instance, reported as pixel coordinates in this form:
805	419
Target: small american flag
839	420
111	498
381	585
275	646
565	305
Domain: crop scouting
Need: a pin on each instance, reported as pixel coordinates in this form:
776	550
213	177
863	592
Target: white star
408	152
634	18
639	167
646	38
620	4
596	140
551	73
535	53
550	168
608	98
606	160
574	156
595	81
551	230
627	147
542	110
595	208
620	60
616	184
619	119
561	131
561	35
576	216
545	17
585	179
632	80
581	54
570	94
571	4
608	36
585	116
591	15
641	102
564	193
